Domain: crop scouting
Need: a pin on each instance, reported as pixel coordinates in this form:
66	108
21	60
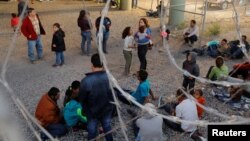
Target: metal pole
204	19
195	9
151	5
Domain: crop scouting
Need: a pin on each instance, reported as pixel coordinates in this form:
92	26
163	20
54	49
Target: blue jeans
39	48
86	36
56	130
106	125
104	41
59	58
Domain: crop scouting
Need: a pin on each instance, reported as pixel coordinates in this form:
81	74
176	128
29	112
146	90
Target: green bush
214	29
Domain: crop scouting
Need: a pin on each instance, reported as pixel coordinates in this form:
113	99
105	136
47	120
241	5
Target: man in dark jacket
20	7
32	29
105	27
190	66
95	96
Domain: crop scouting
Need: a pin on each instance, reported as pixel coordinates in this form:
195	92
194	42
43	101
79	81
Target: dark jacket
191	66
20	8
28	29
58	40
95	94
106	24
83	24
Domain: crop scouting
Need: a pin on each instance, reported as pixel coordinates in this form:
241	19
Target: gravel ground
30	82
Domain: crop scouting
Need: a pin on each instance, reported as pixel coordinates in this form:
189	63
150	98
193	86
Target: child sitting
14	21
198	94
73	110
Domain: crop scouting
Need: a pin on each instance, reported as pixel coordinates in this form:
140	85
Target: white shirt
128	41
192	31
187	110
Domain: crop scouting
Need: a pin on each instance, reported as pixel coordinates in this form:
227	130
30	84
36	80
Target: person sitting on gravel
216	48
185	109
73	109
58	44
96	98
236	48
192	67
149	126
241	70
141	95
198	94
48	114
218	72
191	33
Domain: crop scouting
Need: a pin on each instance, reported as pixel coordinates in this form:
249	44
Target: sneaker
55	65
33	61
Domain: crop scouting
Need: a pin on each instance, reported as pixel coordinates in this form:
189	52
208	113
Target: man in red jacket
32	29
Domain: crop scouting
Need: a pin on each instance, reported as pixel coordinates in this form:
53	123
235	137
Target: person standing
192	67
32	29
106	31
143	40
20	7
127	35
85	26
58	44
96	97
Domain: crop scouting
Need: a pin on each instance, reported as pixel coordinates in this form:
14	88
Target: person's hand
30	36
191	78
54	45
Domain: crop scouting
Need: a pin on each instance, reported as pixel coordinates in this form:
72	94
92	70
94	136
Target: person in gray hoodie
190	66
149	126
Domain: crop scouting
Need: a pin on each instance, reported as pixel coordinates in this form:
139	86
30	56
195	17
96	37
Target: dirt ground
29	81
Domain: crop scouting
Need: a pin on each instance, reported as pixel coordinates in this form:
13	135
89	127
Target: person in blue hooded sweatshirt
73	110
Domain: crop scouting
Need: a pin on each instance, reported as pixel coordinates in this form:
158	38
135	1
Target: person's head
96	62
75	87
219	61
180	96
54	93
82	14
143	22
142	29
13	15
142	75
191	57
198	93
149	110
56	27
192	23
244	38
127	32
31	12
223	42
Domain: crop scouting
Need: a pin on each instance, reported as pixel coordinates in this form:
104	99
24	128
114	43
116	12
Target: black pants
169	108
190	39
188	84
209	71
142	52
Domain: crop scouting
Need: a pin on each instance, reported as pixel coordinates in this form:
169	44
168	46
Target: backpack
212	51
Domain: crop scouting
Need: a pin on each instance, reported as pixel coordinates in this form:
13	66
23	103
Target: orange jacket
47	111
200	110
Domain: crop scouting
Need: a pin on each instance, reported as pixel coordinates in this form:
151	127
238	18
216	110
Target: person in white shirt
127	35
191	33
185	109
